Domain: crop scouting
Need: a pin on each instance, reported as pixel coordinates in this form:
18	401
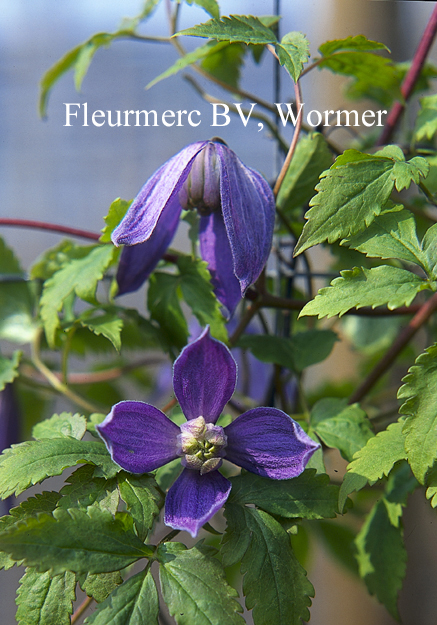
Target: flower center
201	190
201	445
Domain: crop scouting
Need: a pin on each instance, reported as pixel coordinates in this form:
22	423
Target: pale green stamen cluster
201	445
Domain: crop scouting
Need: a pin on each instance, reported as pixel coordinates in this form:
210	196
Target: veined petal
139	437
138	261
204	378
194	499
159	191
248	209
215	249
268	442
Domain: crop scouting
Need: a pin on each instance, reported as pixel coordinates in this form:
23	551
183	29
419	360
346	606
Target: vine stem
44	225
406	334
411	77
54	380
81	609
293	144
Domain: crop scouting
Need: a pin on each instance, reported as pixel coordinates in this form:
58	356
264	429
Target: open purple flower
265	441
236	208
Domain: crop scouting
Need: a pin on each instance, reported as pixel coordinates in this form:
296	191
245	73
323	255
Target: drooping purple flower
9	430
265	441
236	208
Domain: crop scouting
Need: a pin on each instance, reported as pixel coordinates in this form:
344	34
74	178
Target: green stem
293	143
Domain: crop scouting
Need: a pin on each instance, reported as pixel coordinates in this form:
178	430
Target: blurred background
70	175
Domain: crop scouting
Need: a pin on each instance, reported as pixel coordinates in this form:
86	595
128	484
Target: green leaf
197	291
382	557
163	304
210	48
41	502
426	123
302	350
143	500
53	74
99	585
342	426
420	429
360	287
45	600
75	540
210	6
354	191
225	62
56	258
64	424
31	462
16	323
135	602
117	211
275	584
358	42
244	28
380	454
194	587
83	490
9	369
308	496
311	158
80	277
107	324
431	487
293	52
391	235
429	246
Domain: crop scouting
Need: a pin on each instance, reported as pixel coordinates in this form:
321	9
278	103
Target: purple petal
194	499
215	249
138	261
204	378
158	192
249	212
268	442
139	437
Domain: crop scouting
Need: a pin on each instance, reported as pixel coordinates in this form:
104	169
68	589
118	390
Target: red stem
43	225
411	77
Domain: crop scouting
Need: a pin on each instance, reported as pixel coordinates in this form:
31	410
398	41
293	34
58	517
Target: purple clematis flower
236	208
265	441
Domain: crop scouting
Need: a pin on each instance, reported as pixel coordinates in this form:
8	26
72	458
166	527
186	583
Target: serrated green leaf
80	277
311	158
83	490
75	540
210	48
380	454
358	42
426	123
197	291
107	324
55	258
429	247
194	588
41	502
382	557
353	192
33	461
308	496
135	602
142	498
163	304
275	584
236	539
99	585
420	429
9	369
64	424
243	28
117	211
360	287
342	426
302	350
293	52
45	600
392	234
